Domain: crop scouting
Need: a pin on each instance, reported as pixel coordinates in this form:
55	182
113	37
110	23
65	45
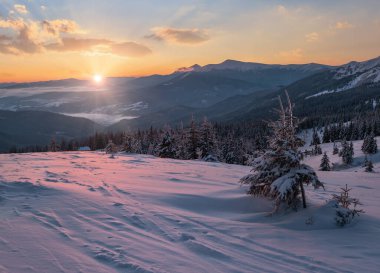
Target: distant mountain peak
194	67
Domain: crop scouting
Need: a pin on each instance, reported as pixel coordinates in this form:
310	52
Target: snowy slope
85	212
354	74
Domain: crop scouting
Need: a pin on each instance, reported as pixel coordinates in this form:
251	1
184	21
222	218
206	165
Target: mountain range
227	92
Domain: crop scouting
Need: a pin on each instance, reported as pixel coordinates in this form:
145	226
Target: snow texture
86	212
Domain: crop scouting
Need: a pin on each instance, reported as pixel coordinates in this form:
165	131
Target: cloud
100	46
288	13
181	36
77	44
343	25
130	49
56	27
20	9
26	39
312	37
30	37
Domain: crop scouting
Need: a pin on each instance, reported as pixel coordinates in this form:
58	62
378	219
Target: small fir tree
207	143
53	145
368	165
315	139
111	148
166	148
369	144
346	207
347	152
279	173
326	135
192	141
325	163
335	149
317	150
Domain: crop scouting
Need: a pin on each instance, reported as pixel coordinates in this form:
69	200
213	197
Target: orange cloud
130	49
35	37
312	37
56	27
21	9
77	44
26	39
182	36
343	25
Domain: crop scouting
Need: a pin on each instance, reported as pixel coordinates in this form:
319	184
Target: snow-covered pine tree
192	141
346	207
315	139
335	149
166	148
326	135
127	144
317	150
369	144
111	148
365	162
207	143
325	163
368	166
53	145
347	152
351	151
279	173
227	150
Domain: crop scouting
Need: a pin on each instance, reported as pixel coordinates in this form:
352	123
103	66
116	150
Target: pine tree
347	152
317	150
326	135
127	144
335	149
166	148
346	207
111	148
53	145
278	173
192	141
325	163
315	140
207	141
369	144
368	165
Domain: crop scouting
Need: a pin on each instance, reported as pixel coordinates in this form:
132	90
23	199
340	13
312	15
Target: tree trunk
303	195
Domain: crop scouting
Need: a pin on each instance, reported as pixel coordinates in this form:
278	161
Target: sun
97	78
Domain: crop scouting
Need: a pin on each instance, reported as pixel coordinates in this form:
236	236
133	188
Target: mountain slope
24	128
196	87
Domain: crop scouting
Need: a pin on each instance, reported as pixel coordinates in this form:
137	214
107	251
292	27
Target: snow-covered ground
86	212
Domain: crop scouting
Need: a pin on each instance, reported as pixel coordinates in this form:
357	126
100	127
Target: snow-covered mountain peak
195	67
352	75
353	68
230	64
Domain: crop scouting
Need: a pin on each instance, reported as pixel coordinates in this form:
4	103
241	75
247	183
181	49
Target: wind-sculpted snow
86	212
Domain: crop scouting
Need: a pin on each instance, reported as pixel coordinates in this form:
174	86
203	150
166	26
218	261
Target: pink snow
86	212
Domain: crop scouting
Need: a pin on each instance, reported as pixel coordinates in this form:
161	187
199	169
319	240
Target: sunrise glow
97	78
47	41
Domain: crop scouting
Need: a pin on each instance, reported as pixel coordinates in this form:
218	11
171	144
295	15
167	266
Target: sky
56	39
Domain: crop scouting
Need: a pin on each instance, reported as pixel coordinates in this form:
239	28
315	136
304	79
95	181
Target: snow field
86	212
